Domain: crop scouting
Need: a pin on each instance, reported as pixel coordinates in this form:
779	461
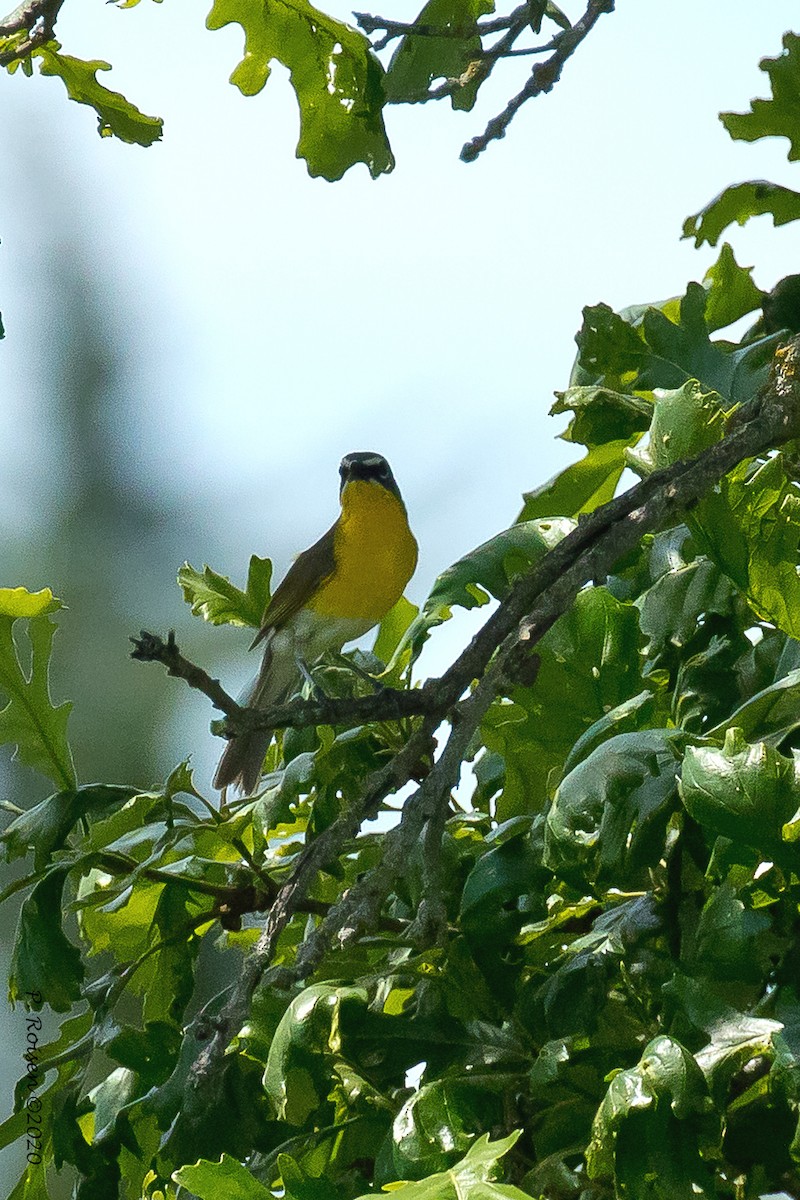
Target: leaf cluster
341	85
606	993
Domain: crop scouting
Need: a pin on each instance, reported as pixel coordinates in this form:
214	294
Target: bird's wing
303	579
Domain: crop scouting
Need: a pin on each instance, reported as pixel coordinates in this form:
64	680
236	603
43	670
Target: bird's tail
243	757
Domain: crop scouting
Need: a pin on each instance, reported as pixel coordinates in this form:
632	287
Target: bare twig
149	647
38	17
543	78
395	29
390	30
483	66
389	704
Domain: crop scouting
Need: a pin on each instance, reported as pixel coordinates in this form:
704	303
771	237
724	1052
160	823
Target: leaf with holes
336	77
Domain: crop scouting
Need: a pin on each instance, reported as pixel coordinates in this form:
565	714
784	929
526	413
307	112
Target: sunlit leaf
116	116
750	526
731	291
228	1177
336	77
391	630
779	116
685	421
218	601
437	1125
579	488
29	719
473	1176
739	203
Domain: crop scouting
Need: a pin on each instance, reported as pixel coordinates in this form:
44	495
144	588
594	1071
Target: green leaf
673	607
297	1077
685	421
44	962
228	1177
780	116
44	827
116	116
609	350
650	1127
743	792
581	487
575	998
472	1177
437	1125
490	915
734	1043
739	203
29	719
769	716
588	664
419	60
488	570
732	940
602	415
301	1185
731	291
781	306
214	598
628	717
608	820
666	346
336	77
750	526
167	978
391	630
150	1052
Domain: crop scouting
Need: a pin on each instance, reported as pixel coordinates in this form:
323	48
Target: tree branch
395	29
541	595
483	66
533	605
517	20
149	647
38	18
543	78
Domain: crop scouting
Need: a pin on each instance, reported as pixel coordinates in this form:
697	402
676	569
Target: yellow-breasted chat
333	592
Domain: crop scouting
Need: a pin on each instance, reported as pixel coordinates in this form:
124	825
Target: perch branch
149	647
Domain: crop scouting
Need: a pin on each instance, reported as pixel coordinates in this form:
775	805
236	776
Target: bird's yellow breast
375	554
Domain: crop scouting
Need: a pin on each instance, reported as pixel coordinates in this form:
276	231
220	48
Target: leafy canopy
585	985
612	994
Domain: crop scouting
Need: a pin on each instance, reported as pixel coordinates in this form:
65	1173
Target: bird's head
368	467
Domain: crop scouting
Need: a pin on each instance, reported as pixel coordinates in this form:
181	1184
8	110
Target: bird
337	590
